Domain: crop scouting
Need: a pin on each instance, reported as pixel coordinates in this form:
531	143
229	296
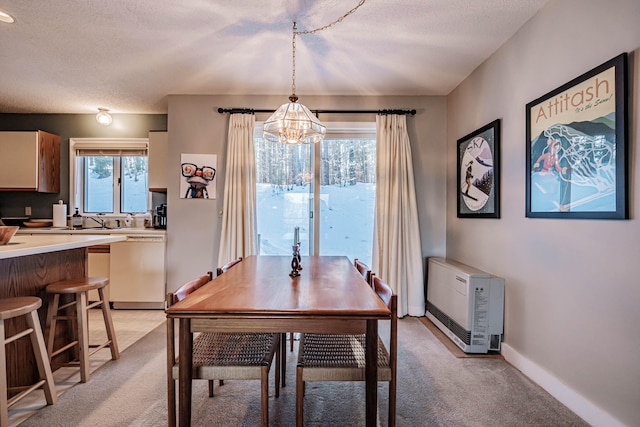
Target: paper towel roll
59	215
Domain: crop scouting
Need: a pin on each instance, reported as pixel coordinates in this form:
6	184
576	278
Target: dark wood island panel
28	276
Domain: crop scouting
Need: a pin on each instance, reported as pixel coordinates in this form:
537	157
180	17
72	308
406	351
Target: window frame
76	170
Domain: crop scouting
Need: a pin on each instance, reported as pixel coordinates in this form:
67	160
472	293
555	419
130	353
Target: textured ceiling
73	56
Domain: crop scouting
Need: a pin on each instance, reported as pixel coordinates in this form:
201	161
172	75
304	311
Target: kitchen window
326	190
109	176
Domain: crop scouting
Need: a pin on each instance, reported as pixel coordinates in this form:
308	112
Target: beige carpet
434	389
130	326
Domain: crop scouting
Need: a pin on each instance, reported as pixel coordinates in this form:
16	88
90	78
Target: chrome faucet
100	221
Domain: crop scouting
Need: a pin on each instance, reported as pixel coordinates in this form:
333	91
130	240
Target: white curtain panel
238	237
397	255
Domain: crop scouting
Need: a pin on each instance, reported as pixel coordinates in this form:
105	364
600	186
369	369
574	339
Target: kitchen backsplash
12	204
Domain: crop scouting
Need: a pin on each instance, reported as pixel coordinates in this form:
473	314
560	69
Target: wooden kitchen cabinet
30	161
158	155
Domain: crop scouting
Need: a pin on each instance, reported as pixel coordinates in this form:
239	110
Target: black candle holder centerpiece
295	261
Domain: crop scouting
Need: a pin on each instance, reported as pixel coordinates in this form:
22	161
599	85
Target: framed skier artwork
576	164
478	186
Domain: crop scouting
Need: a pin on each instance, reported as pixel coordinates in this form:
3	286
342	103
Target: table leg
371	373
185	372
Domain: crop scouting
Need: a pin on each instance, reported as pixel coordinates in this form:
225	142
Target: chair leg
108	322
83	335
264	396
211	384
4	407
42	359
290	341
171	404
171	383
277	369
299	398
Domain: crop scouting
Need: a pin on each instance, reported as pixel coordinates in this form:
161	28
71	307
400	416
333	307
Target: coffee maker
160	217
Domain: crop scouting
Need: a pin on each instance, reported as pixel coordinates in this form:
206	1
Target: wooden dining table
259	295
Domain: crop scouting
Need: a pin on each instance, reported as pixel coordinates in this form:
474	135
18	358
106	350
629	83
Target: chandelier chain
324	27
296	32
293	123
293	60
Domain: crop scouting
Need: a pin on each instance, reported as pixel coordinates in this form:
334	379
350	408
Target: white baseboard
581	406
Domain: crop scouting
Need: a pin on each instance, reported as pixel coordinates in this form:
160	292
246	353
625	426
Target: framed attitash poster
576	147
478	173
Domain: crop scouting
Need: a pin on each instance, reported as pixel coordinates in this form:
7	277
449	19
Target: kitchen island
135	267
23	245
27	265
85	231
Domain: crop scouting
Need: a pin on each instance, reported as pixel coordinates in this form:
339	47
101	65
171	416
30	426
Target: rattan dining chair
341	357
227	266
363	269
223	355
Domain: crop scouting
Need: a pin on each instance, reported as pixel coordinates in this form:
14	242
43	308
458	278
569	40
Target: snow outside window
340	172
109	176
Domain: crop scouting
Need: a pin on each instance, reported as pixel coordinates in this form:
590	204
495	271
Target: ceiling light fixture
5	17
293	123
103	117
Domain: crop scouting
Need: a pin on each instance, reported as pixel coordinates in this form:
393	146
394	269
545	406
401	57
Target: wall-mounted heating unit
466	304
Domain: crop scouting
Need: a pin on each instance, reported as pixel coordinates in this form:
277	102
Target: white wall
572	287
195	126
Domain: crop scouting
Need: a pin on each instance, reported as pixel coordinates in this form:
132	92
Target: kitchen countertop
22	245
98	231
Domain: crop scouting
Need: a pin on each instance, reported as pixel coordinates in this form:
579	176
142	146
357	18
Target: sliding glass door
326	191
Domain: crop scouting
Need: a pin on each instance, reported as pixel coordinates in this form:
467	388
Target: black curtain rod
252	111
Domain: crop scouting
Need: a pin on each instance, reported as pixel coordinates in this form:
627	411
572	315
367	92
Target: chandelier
293	123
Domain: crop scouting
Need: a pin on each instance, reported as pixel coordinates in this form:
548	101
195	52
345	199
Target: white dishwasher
137	272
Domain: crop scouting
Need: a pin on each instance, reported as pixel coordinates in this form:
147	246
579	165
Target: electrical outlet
27	210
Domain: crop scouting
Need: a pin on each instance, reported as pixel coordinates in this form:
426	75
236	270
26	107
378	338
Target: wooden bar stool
28	307
79	288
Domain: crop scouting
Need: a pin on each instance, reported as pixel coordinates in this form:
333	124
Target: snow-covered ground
346	216
100	194
346	220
